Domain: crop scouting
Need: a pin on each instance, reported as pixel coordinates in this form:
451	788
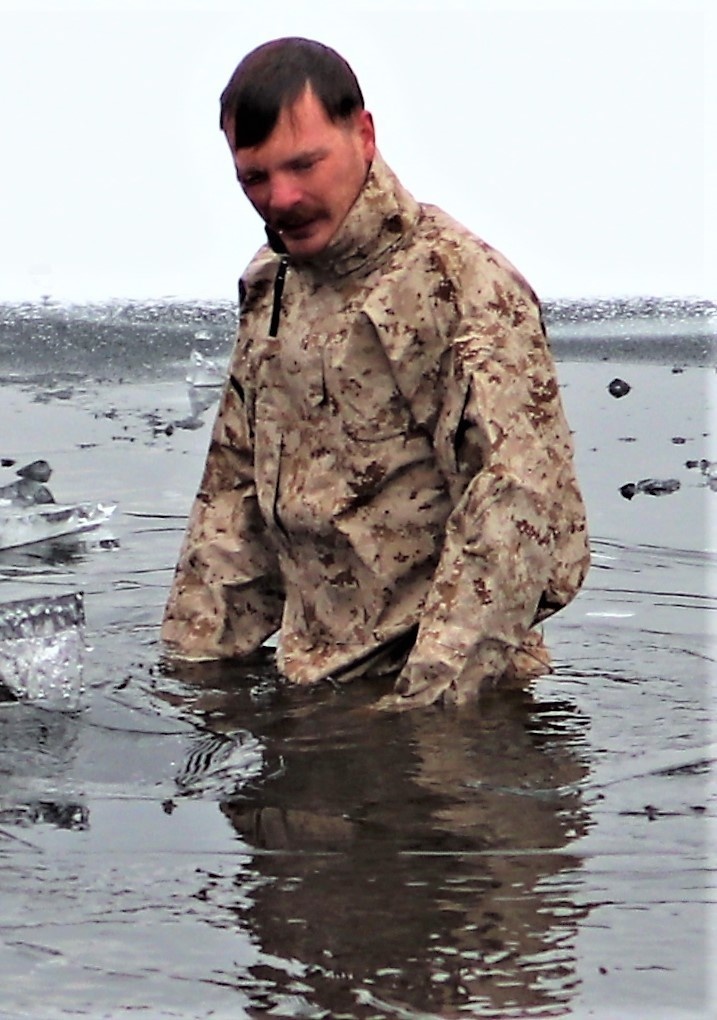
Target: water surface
216	844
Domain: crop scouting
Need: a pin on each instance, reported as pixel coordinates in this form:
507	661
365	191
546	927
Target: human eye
251	178
304	163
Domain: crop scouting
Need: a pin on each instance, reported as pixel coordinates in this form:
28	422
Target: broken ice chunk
42	650
203	371
40	522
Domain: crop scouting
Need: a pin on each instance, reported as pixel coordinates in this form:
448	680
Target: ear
367	134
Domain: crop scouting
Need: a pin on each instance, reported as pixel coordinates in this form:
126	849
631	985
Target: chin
305	247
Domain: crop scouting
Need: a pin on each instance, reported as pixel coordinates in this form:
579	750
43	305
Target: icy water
215	844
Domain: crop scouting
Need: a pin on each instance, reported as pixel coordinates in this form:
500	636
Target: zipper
278	291
275	504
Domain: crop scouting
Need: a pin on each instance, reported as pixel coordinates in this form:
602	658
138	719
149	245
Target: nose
284	193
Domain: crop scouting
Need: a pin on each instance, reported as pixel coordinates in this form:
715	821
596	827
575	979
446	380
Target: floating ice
42	650
203	371
29	513
204	381
21	525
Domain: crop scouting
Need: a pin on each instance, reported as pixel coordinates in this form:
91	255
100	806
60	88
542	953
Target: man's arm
515	547
226	596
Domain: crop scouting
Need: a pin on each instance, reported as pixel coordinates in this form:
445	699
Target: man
390	480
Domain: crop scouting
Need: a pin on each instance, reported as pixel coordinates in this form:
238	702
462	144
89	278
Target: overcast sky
573	137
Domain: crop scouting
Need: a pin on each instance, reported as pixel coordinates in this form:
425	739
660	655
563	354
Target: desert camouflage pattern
390	479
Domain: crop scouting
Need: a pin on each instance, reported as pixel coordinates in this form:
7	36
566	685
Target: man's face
307	174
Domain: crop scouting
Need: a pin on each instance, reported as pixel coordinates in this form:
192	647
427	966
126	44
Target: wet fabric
390	475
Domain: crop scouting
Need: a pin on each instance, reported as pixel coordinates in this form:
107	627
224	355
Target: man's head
302	142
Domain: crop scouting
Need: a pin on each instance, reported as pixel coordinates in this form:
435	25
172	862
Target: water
216	844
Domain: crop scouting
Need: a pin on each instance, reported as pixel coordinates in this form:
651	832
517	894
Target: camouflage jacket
390	472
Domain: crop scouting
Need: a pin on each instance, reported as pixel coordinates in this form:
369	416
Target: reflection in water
35	747
47	812
220	761
403	863
64	551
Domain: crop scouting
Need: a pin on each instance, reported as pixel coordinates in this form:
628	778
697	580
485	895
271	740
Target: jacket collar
379	222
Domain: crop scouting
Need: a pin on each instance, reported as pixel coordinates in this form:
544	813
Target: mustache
294	218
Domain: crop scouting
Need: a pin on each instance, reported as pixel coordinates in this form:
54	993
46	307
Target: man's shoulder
449	247
438	230
261	266
258	277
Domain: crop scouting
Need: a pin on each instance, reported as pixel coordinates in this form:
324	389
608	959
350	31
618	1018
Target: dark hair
274	75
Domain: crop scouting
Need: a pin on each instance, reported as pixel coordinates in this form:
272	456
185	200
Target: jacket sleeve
226	596
515	547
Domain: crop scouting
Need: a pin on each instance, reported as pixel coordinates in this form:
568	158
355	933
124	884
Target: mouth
298	228
298	232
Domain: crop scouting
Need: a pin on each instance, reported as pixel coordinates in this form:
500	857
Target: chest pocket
302	365
360	386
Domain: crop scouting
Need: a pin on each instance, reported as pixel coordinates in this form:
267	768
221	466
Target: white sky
578	138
